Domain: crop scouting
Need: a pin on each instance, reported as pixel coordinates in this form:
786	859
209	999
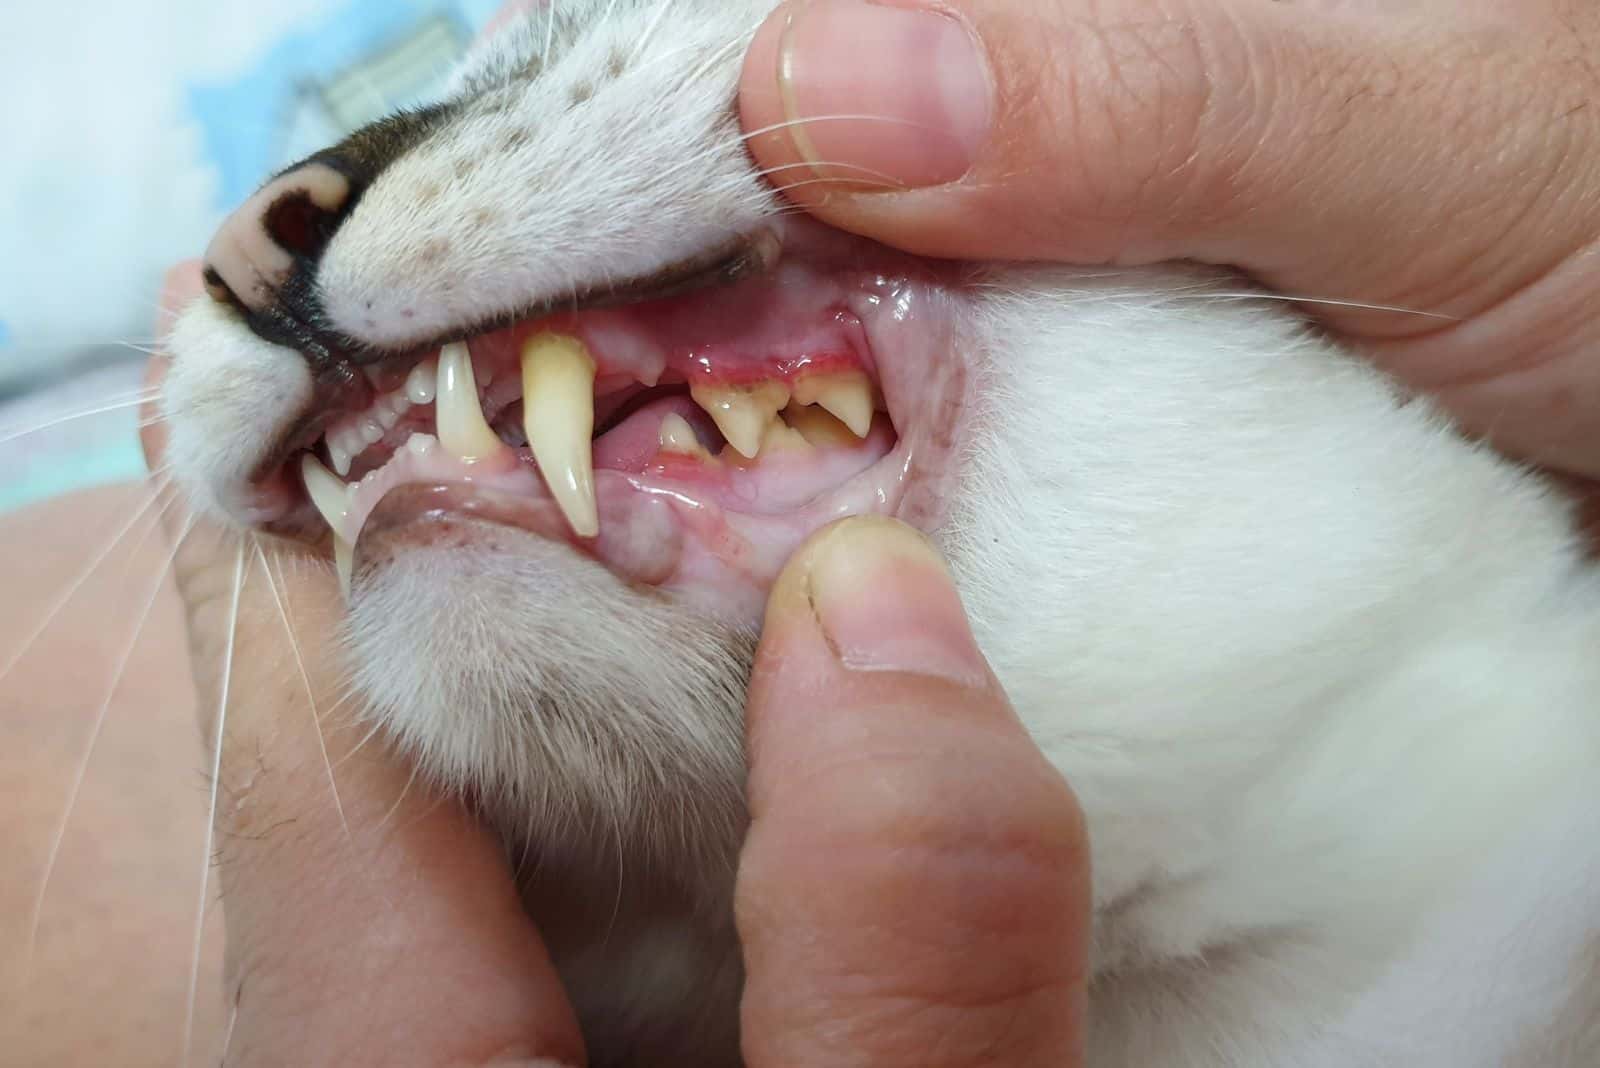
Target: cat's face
568	384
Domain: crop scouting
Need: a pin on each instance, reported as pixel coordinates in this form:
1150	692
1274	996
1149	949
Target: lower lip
640	541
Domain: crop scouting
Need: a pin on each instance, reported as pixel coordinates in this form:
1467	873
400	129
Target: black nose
263	258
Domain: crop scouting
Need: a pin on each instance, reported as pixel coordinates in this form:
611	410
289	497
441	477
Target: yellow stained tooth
678	436
463	431
847	395
344	563
818	427
558	415
743	413
778	437
330	495
782	438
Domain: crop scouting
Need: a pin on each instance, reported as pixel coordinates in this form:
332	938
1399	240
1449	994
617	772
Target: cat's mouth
690	442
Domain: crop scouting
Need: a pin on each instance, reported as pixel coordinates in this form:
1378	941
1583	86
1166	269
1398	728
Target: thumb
1319	149
914	887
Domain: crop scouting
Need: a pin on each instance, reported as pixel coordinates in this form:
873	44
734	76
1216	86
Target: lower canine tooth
558	415
742	413
463	431
847	395
328	494
344	563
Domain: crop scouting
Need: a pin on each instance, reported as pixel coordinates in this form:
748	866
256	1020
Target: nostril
302	220
288	221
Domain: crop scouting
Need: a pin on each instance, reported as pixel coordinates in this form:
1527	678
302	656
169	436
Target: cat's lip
712	528
641	546
677	525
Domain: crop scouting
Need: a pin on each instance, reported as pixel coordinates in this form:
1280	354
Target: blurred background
130	128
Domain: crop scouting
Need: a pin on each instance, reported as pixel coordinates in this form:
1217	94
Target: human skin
1437	156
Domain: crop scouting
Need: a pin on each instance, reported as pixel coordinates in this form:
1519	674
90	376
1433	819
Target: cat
1320	669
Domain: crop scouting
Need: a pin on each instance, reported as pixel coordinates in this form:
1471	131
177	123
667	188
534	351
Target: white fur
1310	659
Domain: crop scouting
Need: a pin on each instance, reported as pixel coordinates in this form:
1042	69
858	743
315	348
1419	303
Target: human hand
914	888
1444	159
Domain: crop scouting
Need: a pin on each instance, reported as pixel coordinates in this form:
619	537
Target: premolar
818	427
558	416
743	413
676	435
848	395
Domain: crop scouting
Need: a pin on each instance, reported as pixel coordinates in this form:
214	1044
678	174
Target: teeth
742	413
818	427
463	431
421	385
421	444
847	395
330	496
343	562
339	455
371	431
677	436
781	438
558	414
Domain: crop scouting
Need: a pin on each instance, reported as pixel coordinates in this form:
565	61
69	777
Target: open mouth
688	443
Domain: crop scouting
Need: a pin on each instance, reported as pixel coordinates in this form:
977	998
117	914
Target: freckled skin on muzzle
263	258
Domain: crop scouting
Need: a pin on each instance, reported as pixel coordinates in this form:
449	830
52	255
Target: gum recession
716	531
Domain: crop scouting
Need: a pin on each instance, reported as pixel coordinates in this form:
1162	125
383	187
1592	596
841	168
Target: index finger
370	920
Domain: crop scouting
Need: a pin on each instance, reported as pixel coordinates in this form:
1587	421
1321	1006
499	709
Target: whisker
890	119
211	823
549	33
61	602
76	789
84	414
650	30
770	171
1360	305
305	678
227	1036
844	181
394	808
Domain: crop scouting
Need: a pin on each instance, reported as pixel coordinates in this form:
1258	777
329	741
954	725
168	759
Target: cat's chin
511	666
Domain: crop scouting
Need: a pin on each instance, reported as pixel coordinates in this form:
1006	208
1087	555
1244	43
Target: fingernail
885	602
883	94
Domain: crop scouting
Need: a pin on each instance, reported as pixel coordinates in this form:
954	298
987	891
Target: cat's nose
288	222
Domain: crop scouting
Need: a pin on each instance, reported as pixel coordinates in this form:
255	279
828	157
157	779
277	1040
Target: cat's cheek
226	398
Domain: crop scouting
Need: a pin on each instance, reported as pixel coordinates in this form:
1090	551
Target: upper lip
825	283
340	388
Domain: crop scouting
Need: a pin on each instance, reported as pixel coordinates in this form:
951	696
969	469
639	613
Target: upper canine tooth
558	416
847	395
742	413
330	496
463	431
